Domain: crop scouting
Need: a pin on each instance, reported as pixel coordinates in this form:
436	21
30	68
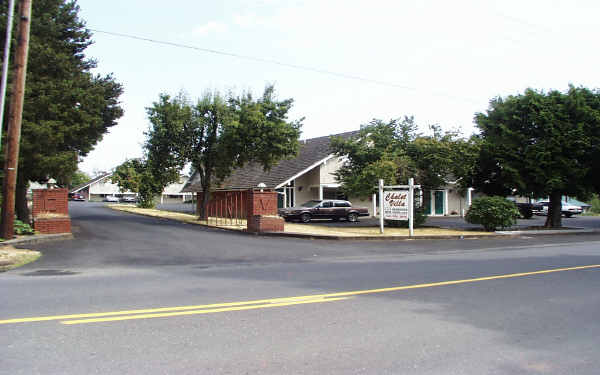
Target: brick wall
52	225
259	208
263	223
53	201
225	204
50	200
261	203
262	212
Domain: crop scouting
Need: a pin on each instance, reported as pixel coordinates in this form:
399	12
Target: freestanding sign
397	204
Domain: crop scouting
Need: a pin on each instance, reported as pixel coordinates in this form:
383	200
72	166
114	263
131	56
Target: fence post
381	206
411	204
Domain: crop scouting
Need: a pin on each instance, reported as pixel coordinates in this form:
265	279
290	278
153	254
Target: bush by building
492	213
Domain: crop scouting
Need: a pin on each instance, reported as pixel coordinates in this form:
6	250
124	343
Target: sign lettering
395	205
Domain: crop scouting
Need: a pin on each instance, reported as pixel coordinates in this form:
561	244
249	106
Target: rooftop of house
90	182
311	152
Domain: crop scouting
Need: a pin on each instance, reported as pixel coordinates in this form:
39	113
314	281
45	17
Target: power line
280	63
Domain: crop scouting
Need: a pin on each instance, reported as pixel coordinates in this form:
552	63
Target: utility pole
9	27
11	157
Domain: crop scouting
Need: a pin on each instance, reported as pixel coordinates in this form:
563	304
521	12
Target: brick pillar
51	201
261	212
51	211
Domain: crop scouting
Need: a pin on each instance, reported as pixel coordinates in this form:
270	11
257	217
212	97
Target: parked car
129	199
566	209
76	197
333	209
111	198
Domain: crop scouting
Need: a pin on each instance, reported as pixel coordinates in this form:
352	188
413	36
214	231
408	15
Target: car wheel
568	215
305	218
352	217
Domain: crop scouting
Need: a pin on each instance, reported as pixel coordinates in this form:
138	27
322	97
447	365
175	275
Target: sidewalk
365	228
362	230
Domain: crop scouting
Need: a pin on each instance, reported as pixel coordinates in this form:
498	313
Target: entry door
439	202
427	202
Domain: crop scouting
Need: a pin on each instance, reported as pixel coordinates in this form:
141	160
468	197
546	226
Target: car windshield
310	204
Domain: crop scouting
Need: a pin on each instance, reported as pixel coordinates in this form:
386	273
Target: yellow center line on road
157	310
264	303
209	311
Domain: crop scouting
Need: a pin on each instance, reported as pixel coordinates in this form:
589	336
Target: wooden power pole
13	135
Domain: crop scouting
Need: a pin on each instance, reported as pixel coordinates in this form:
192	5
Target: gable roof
90	182
312	152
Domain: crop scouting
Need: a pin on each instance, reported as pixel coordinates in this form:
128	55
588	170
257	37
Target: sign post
397	204
381	214
411	206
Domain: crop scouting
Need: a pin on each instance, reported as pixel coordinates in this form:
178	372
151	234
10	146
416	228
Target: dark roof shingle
311	151
93	180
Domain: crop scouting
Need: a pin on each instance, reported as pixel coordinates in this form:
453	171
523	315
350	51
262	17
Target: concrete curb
549	232
499	234
38	238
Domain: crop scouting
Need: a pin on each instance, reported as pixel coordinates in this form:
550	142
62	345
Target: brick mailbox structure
261	212
51	211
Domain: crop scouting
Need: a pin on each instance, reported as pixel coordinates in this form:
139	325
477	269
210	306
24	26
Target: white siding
328	169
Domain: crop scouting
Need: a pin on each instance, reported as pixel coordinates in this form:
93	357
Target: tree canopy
218	134
395	151
137	176
541	144
79	178
67	108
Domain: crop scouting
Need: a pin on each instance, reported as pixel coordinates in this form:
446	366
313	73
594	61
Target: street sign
395	205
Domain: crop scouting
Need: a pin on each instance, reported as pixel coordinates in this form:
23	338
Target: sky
343	62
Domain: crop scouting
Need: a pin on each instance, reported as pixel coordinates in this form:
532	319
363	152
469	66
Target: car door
326	210
341	209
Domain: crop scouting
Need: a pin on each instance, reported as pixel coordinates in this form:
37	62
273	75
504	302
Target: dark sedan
323	209
76	197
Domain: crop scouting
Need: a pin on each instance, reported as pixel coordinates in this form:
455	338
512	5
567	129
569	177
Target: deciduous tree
218	134
136	175
395	151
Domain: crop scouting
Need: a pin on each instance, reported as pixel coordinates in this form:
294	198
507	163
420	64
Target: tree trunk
21	202
203	215
554	218
205	182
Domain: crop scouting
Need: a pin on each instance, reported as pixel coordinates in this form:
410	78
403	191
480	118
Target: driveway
107	238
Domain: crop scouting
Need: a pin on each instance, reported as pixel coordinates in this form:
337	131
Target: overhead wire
280	63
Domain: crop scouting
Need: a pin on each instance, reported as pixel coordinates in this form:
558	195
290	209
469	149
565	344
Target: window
342	204
327	204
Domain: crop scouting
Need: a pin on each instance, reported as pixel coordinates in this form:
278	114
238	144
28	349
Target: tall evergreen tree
67	107
541	145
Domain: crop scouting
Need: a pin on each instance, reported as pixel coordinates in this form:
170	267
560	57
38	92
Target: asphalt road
129	295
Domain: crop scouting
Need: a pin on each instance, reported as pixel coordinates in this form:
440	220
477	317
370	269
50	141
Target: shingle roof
93	180
311	151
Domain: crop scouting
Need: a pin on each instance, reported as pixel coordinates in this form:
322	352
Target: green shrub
419	219
22	228
492	212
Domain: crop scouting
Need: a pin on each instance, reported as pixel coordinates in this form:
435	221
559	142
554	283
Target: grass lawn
12	258
308	229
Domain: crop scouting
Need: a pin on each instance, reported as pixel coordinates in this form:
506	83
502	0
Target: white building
97	189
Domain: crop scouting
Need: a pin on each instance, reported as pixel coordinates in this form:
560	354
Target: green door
427	202
439	202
